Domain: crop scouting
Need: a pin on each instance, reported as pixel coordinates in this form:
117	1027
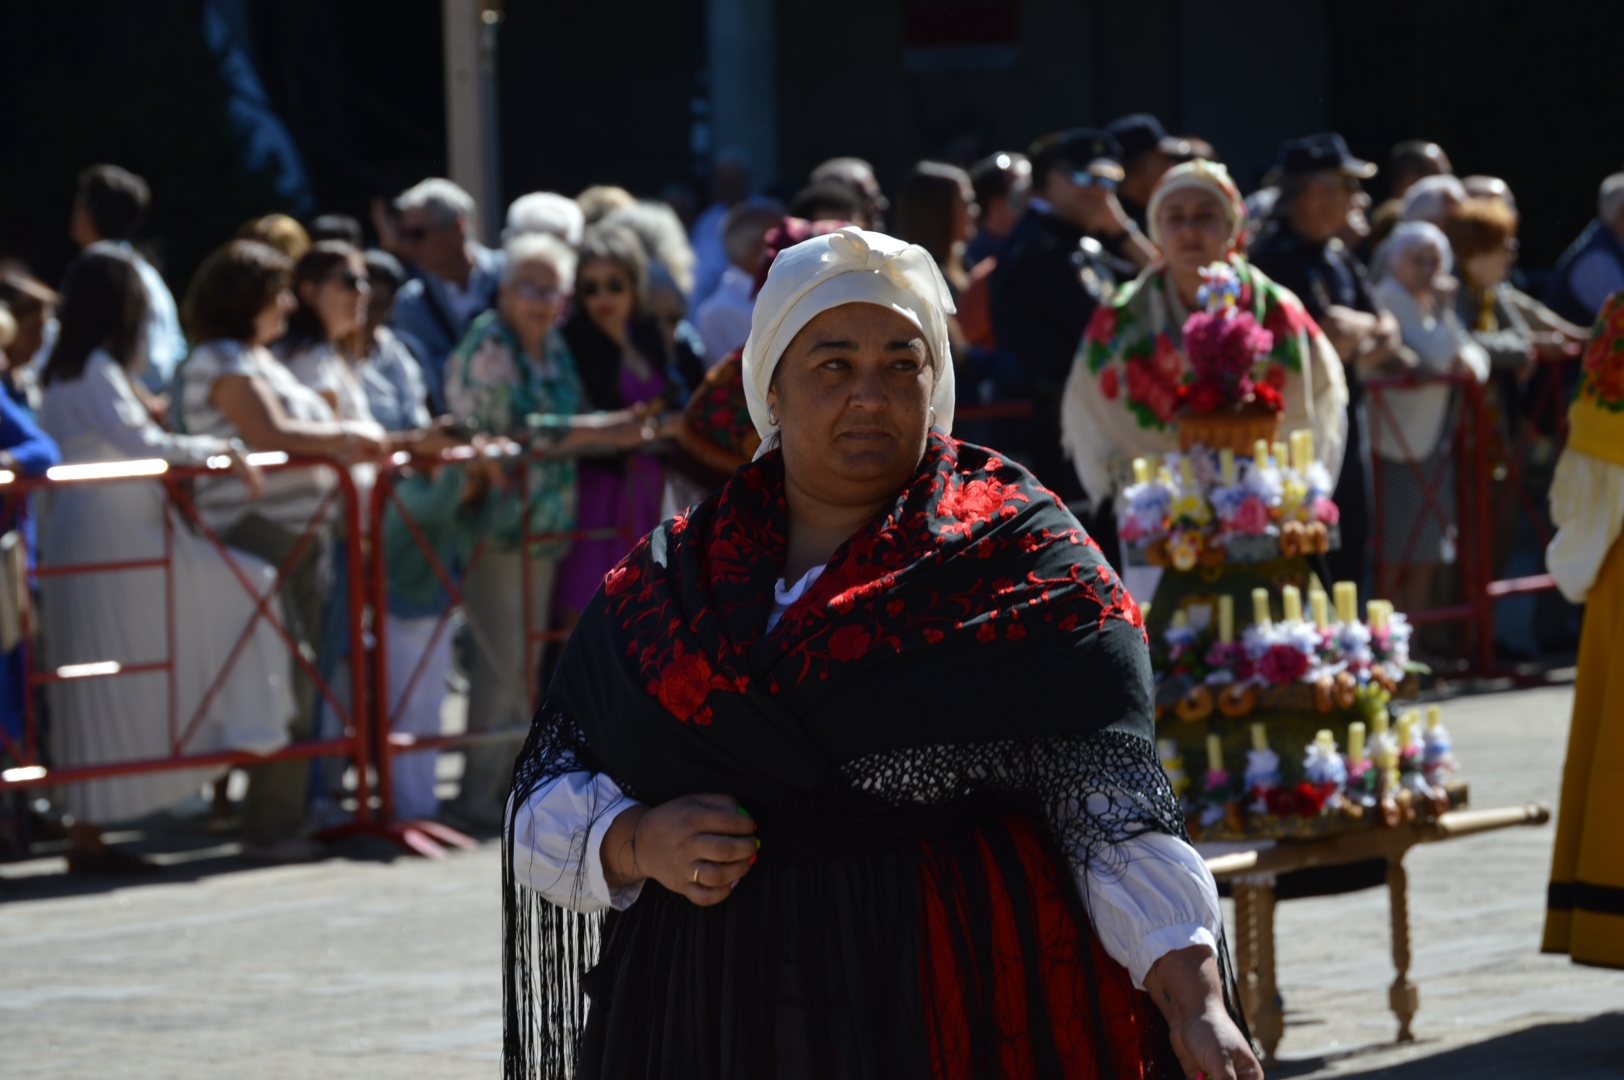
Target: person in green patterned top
512	376
1121	397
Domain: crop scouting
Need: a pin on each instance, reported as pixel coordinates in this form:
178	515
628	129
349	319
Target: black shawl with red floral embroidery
968	652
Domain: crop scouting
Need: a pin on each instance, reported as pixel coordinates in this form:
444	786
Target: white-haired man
1592	269
457	282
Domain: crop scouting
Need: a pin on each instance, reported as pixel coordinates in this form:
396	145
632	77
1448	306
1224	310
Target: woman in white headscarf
820	743
1410	427
1121	400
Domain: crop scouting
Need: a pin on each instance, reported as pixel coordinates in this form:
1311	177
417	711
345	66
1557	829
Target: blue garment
393	382
1587	273
34	451
431	324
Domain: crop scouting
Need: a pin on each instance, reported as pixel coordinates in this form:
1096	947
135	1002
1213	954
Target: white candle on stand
1226	619
1291	602
1215	754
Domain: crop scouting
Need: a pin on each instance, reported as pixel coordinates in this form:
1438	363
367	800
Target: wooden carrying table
1252	882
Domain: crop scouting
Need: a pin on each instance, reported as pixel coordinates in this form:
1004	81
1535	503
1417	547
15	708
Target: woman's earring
772	419
932	417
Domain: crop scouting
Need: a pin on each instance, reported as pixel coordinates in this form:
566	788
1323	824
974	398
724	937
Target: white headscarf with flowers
850	266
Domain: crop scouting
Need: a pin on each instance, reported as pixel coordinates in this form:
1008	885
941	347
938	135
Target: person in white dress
231	386
218	704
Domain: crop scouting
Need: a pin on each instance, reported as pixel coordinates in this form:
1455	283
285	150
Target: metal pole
469	28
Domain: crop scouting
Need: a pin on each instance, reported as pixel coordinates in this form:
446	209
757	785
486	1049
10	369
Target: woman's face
1489	268
272	321
1193	228
529	300
1416	267
30	336
339	298
852	396
604	288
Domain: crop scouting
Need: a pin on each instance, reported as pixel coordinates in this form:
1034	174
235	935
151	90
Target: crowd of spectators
1072	266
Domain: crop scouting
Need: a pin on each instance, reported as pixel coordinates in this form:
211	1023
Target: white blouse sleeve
1160	898
1587	507
557	837
112	411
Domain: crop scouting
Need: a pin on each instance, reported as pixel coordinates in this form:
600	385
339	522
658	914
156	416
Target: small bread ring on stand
1316	538
1347	690
1324	694
1237	699
1291	539
1196	704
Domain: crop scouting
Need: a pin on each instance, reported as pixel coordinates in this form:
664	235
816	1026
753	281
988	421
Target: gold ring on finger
696	872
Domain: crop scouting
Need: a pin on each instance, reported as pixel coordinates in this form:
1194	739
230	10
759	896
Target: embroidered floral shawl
968	648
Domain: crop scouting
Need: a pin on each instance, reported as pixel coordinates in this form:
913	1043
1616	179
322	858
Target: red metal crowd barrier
427	837
29	768
1488	473
368	736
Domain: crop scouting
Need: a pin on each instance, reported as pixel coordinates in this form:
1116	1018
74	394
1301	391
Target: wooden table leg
1402	995
1260	996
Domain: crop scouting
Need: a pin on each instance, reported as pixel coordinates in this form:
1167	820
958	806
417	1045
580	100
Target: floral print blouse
492	385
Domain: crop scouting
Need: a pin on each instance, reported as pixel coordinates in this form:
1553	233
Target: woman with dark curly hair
820	742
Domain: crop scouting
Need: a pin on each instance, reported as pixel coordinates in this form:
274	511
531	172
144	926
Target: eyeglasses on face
416	234
524	290
614	287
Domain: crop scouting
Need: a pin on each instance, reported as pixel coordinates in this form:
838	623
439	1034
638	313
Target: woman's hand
698	846
1184	984
248	473
364	441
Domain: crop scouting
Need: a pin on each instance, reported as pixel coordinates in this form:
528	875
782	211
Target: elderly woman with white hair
860	750
1410	427
512	376
546	212
1122	397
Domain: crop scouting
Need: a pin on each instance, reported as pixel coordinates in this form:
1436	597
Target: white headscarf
1411	234
850	266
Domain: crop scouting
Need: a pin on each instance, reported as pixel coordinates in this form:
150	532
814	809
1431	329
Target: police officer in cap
1298	248
1064	256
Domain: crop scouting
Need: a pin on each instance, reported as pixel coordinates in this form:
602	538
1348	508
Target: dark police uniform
1048	281
1323	276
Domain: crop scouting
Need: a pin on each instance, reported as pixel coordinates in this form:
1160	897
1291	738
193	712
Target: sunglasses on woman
614	287
352	282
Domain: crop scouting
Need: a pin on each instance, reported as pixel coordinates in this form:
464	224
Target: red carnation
1269	396
1283	664
1110	383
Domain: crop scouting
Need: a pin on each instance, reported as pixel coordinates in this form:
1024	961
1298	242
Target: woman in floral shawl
1123	395
859	750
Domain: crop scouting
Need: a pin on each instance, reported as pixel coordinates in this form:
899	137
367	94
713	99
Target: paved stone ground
374	965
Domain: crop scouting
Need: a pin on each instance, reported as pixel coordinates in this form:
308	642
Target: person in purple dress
624	363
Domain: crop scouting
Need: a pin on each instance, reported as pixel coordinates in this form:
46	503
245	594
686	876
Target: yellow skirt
1584	914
